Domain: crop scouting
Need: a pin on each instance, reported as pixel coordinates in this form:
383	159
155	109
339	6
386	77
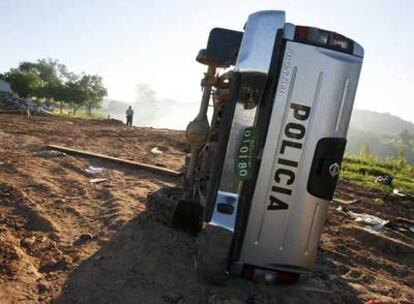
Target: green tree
45	70
76	95
52	74
94	90
59	93
51	81
25	84
72	94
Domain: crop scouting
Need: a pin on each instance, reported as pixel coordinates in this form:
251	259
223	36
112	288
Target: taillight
287	277
268	276
301	33
340	42
248	272
318	37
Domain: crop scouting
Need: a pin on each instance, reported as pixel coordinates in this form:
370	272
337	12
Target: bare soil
64	239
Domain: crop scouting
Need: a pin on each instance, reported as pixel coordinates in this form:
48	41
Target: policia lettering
285	175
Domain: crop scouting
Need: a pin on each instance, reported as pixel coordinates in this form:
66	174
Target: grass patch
363	170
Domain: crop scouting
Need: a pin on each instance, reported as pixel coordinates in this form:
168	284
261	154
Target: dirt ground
64	239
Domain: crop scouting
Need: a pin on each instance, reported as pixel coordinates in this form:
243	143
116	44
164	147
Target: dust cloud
160	113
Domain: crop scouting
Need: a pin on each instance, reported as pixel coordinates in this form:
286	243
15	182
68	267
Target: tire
213	247
188	217
161	204
167	207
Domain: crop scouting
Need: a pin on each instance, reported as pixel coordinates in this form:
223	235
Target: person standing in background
129	116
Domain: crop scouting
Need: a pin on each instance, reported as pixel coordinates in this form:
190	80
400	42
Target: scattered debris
97	180
375	224
385	180
94	170
130	163
156	151
342	209
400	224
403	193
83	239
367	219
397	192
13	103
379	202
374	229
345	202
50	153
28	242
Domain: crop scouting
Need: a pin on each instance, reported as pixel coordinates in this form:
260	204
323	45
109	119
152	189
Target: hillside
380	134
380	123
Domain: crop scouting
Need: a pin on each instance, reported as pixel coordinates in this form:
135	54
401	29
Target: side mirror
222	48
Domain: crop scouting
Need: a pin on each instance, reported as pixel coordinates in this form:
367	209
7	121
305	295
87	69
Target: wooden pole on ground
117	160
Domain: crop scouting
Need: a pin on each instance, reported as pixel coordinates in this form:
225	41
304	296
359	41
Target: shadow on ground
146	262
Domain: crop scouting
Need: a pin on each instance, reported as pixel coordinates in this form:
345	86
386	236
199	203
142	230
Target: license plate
246	154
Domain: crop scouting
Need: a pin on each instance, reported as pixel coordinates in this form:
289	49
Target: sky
155	42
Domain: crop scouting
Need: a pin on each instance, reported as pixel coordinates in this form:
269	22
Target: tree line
393	146
50	82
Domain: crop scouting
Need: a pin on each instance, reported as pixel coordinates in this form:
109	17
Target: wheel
188	217
161	204
213	247
167	207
